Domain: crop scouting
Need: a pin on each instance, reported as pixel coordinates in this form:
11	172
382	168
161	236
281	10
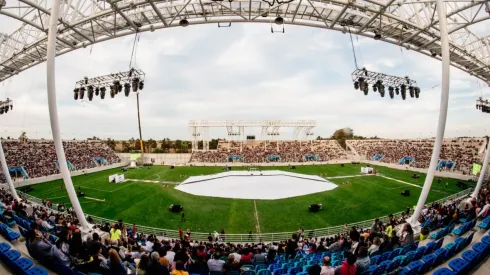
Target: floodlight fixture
279	20
81	92
102	93
483	105
127	89
141	85
377	36
75	93
184	23
90	93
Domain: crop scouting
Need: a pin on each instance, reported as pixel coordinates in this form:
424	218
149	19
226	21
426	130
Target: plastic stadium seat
479	247
248	272
302	273
415	265
440	258
408	258
385	263
305	268
419	253
260	267
272	267
248	266
280	271
294	270
486	239
395	253
407	271
4	247
444	271
430	247
266	272
12	255
393	265
458	265
385	256
39	271
377	270
22	264
470	256
375	260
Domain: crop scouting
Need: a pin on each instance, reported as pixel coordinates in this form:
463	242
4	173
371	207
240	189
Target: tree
125	146
213	144
341	135
178	145
23	136
111	143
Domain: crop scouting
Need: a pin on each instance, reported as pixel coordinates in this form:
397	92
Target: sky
243	72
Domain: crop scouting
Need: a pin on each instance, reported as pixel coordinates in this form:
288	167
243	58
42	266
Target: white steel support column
441	13
482	172
53	114
5	171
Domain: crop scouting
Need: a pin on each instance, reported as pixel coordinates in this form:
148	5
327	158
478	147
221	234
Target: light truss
362	78
412	24
6	106
114	83
483	105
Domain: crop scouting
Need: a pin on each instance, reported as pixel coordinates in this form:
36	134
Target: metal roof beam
339	15
23	20
159	14
381	10
123	15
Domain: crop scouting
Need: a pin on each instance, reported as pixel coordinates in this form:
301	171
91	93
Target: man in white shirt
215	264
170	257
326	267
237	256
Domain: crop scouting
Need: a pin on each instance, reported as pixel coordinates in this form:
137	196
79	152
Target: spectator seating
38	157
260	151
462	151
17	264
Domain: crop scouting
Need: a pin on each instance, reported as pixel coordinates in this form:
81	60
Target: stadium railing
258	237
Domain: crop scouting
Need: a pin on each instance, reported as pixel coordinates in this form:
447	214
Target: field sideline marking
256	214
121	187
404	182
351	176
57	198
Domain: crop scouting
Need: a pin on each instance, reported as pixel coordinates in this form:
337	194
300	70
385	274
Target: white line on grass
256	214
56	198
351	176
121	187
400	181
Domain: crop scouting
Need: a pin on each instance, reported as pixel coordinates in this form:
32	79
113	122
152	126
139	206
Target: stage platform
260	185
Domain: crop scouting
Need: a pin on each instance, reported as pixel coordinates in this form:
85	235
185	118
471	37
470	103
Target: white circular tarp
261	185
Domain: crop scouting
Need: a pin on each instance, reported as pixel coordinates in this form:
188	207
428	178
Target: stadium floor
357	198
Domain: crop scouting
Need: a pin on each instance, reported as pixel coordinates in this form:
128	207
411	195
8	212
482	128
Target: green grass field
146	203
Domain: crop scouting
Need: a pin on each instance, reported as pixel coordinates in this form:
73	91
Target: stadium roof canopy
409	23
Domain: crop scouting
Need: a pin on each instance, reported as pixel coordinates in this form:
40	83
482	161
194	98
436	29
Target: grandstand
458	154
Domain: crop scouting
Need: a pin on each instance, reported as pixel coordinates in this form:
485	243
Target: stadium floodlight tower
484	107
5	106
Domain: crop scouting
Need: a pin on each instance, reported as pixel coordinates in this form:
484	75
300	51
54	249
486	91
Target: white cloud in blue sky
243	72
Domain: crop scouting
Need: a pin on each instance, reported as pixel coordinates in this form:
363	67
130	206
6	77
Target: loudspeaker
229	168
292	167
124	169
172	167
314	208
176	208
405	193
342	165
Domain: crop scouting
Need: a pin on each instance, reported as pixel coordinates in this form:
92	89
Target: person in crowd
406	235
314	270
292	247
154	267
375	246
348	267
179	269
363	260
215	263
231	265
142	265
62	252
327	268
115	232
116	266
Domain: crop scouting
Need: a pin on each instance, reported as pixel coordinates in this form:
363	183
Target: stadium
245	188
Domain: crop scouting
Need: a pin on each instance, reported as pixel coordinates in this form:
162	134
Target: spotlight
391	92
411	91
102	92
377	36
127	89
1	110
433	53
11	107
366	89
381	89
97	91
417	92
6	109
135	84
375	89
86	80
404	94
361	83
90	93
397	91
75	94
184	23
119	87
113	91
356	85
279	20
142	85
81	92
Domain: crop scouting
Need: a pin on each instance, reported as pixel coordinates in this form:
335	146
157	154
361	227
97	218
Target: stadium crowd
117	248
272	151
463	151
38	157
